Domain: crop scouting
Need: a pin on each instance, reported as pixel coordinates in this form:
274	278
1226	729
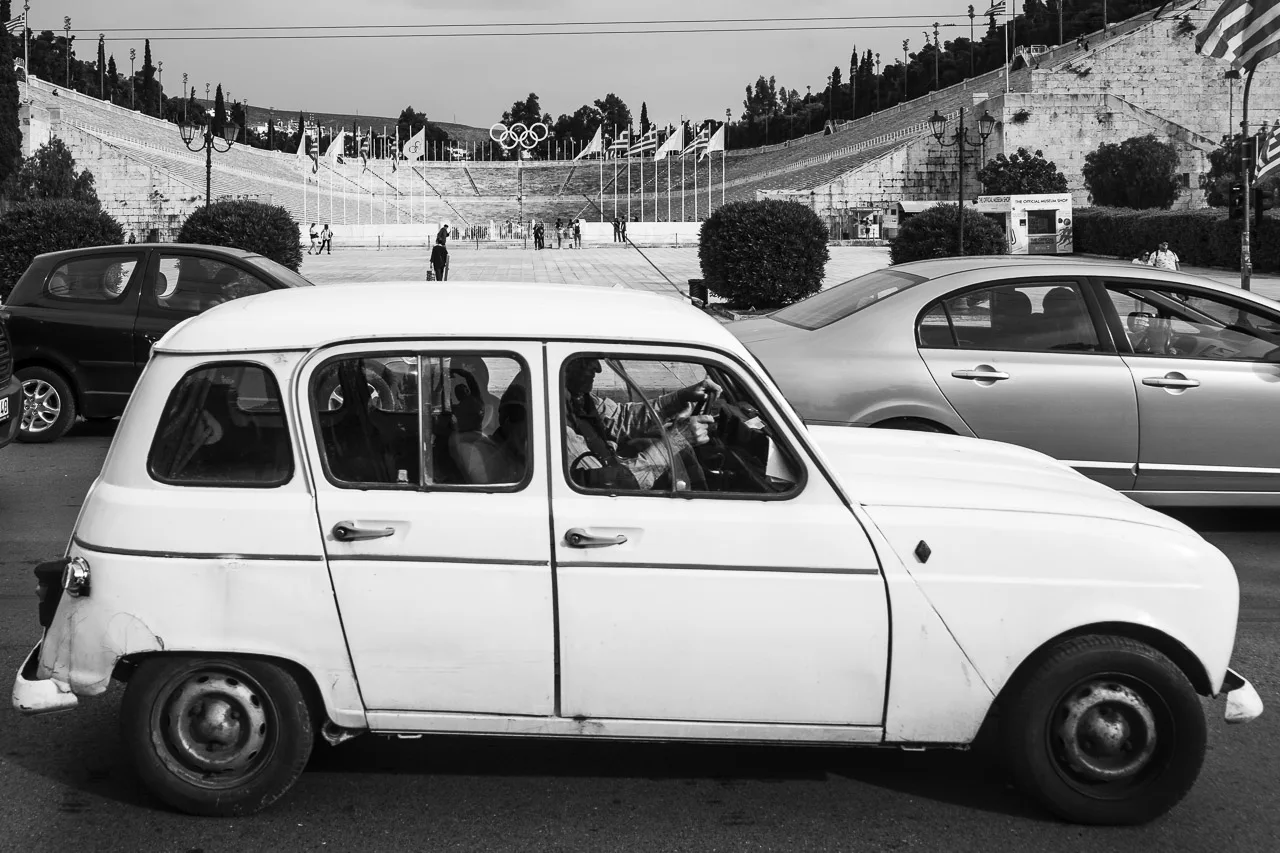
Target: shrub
932	234
763	254
51	173
1140	172
50	225
266	229
1205	238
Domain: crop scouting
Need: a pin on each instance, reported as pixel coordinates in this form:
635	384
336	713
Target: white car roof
304	318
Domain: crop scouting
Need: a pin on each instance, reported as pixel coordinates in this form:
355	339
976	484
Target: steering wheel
586	454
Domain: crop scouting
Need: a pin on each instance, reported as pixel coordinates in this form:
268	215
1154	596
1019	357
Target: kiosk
1037	224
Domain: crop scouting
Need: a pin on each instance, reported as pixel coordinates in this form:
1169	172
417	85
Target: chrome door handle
576	537
990	375
346	531
1170	382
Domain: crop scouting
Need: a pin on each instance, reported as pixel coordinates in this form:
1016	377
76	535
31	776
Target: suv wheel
48	406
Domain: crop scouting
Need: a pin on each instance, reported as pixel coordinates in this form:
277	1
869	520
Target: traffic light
1264	198
1235	205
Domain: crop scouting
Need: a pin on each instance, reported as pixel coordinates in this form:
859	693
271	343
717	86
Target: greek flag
17	25
1269	152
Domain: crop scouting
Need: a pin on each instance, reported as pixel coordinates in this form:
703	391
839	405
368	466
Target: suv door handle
347	531
1171	380
988	375
576	537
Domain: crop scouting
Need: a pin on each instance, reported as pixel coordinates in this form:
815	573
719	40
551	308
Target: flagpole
615	173
695	187
628	176
1246	169
642	179
682	187
1008	17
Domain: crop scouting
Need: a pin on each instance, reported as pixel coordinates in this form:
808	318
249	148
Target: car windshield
279	271
836	303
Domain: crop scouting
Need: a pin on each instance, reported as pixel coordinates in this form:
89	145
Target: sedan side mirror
1138	321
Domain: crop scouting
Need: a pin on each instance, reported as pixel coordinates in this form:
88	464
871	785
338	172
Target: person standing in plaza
440	258
443	234
315	240
1164	258
577	233
559	233
326	240
617	229
624	229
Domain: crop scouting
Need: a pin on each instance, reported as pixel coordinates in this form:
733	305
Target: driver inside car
616	445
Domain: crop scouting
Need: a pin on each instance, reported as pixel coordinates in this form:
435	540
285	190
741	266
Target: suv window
633	426
102	279
223	425
372	412
191	285
1044	316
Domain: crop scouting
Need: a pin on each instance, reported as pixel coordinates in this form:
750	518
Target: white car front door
434	520
738	588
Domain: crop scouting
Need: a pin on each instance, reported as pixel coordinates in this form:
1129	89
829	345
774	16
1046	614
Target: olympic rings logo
519	135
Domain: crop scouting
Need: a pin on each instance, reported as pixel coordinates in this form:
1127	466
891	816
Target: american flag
17	25
1269	152
1246	31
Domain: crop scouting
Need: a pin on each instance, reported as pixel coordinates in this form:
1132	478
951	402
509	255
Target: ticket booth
1038	224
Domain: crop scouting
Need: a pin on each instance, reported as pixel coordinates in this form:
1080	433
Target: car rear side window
223	425
190	285
1040	316
101	279
836	303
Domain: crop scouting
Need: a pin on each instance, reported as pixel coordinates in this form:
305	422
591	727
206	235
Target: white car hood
883	467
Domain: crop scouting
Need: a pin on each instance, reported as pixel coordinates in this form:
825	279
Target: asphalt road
65	783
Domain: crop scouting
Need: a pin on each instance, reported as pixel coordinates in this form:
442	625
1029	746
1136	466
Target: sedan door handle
576	537
989	375
1170	382
347	531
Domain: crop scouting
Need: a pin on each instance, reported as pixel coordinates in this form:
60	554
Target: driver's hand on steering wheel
695	428
699	391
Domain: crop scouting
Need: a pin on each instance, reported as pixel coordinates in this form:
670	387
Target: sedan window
411	420
1041	316
1163	321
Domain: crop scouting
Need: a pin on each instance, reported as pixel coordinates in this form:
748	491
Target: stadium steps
475	189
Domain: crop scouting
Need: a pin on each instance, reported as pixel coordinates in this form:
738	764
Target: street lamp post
66	29
209	142
184	96
971	14
102	47
133	83
160	72
937	49
877	82
808	115
960	138
905	42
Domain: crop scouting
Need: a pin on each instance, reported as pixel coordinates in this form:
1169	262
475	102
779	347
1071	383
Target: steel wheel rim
41	406
1109	735
214	728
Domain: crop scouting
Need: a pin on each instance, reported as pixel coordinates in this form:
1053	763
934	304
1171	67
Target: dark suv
82	321
10	391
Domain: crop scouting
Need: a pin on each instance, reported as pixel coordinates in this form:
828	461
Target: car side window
102	279
1164	321
190	284
223	425
424	421
660	427
1042	316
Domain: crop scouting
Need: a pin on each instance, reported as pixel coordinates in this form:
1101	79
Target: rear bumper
11	391
1243	702
32	695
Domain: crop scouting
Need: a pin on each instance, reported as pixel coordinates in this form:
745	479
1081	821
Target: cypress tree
644	118
113	77
10	132
219	112
149	99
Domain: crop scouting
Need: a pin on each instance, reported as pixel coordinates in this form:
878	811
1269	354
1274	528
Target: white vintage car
501	509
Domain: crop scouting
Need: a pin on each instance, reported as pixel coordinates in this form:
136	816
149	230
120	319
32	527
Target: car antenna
683	293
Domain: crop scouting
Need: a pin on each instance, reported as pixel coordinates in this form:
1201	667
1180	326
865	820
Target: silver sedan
1163	385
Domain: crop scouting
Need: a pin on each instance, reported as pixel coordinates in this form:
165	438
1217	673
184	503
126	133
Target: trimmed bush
1203	238
932	234
266	229
50	225
763	254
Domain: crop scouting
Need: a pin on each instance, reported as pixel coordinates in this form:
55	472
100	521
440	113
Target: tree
51	173
932	234
10	133
835	93
644	118
1140	172
1022	174
579	127
219	112
102	67
113	78
763	254
150	95
526	112
240	119
613	112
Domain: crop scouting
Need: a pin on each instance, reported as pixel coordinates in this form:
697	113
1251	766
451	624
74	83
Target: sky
472	80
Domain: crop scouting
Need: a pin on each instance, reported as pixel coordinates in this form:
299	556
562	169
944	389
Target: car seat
1065	323
1011	319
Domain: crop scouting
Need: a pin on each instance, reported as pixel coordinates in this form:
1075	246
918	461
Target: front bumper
1243	702
32	695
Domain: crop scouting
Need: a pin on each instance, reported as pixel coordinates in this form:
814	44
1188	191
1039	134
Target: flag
334	151
644	144
415	146
673	145
17	25
1269	152
621	144
1245	31
716	143
698	142
395	155
997	9
596	146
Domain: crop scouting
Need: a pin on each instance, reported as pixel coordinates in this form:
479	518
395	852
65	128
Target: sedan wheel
1105	730
48	407
216	736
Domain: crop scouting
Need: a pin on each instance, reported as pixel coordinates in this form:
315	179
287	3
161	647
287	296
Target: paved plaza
661	270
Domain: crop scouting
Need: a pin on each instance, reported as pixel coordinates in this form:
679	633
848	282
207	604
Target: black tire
1105	730
48	405
184	724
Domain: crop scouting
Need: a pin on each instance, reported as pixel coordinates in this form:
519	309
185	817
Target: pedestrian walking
326	240
577	233
315	240
624	229
1164	258
617	230
1144	259
440	258
443	234
559	233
